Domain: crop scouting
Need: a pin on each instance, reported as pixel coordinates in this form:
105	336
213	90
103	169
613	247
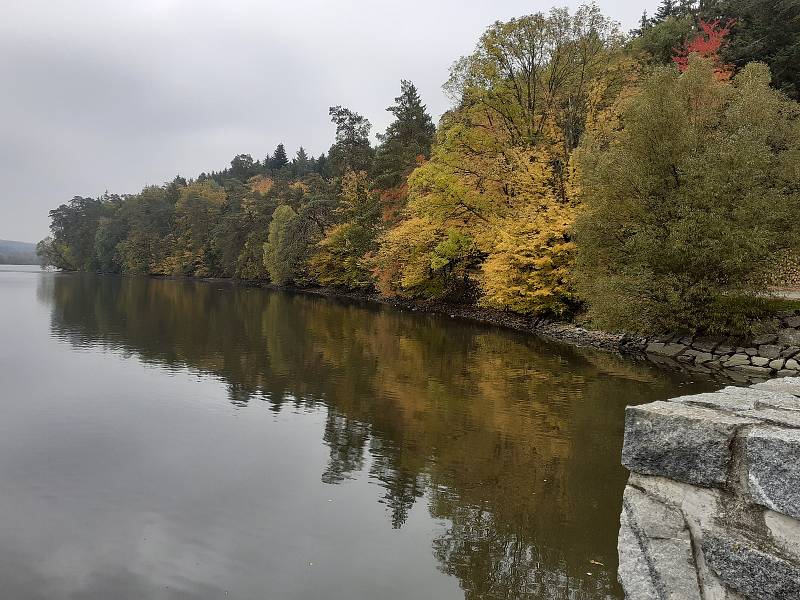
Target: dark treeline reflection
511	442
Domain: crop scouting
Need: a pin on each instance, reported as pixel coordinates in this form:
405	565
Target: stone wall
712	507
774	353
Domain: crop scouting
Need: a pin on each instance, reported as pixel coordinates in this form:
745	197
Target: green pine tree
766	34
321	165
279	158
301	164
409	136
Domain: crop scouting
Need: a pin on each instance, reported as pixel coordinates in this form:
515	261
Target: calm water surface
172	439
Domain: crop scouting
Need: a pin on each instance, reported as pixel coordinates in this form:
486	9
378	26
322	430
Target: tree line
17	253
647	182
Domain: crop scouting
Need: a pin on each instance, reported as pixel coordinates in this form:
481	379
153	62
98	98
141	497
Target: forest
17	253
644	181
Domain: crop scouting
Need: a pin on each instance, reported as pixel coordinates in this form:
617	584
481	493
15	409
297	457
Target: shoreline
560	331
767	356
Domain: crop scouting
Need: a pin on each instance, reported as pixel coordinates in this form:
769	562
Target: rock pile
712	506
775	354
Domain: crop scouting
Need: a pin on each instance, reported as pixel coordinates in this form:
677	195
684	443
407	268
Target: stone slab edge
717	474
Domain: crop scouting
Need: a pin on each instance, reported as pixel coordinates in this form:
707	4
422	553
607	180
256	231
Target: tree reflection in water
513	442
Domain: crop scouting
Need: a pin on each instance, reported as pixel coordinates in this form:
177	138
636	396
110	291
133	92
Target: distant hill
17	253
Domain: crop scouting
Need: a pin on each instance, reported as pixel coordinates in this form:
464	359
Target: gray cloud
108	95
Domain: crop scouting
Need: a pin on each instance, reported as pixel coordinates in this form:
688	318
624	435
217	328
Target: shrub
688	204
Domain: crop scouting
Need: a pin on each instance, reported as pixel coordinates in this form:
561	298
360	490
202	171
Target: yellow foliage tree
493	207
529	267
403	262
260	183
341	256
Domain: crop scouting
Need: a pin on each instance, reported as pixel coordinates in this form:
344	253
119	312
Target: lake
182	439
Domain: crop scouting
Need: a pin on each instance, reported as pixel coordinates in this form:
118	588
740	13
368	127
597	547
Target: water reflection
512	444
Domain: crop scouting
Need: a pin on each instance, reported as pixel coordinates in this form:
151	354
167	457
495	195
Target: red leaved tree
707	44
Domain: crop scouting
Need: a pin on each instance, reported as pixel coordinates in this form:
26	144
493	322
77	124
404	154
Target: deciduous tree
687	204
280	251
197	214
340	259
352	149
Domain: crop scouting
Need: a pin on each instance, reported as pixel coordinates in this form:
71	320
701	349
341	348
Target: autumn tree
762	32
707	44
314	201
530	267
687	203
492	207
768	33
197	213
340	257
279	250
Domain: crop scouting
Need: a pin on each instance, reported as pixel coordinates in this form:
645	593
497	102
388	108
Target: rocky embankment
712	506
775	353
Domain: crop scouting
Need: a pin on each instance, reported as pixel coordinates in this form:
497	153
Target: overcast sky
110	95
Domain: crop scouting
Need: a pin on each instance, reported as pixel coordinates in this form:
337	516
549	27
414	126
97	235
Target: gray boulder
788	385
765	338
789	337
655	551
773	459
752	572
736	360
705	344
769	351
699	356
744	398
665	349
761	372
782	418
686	443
